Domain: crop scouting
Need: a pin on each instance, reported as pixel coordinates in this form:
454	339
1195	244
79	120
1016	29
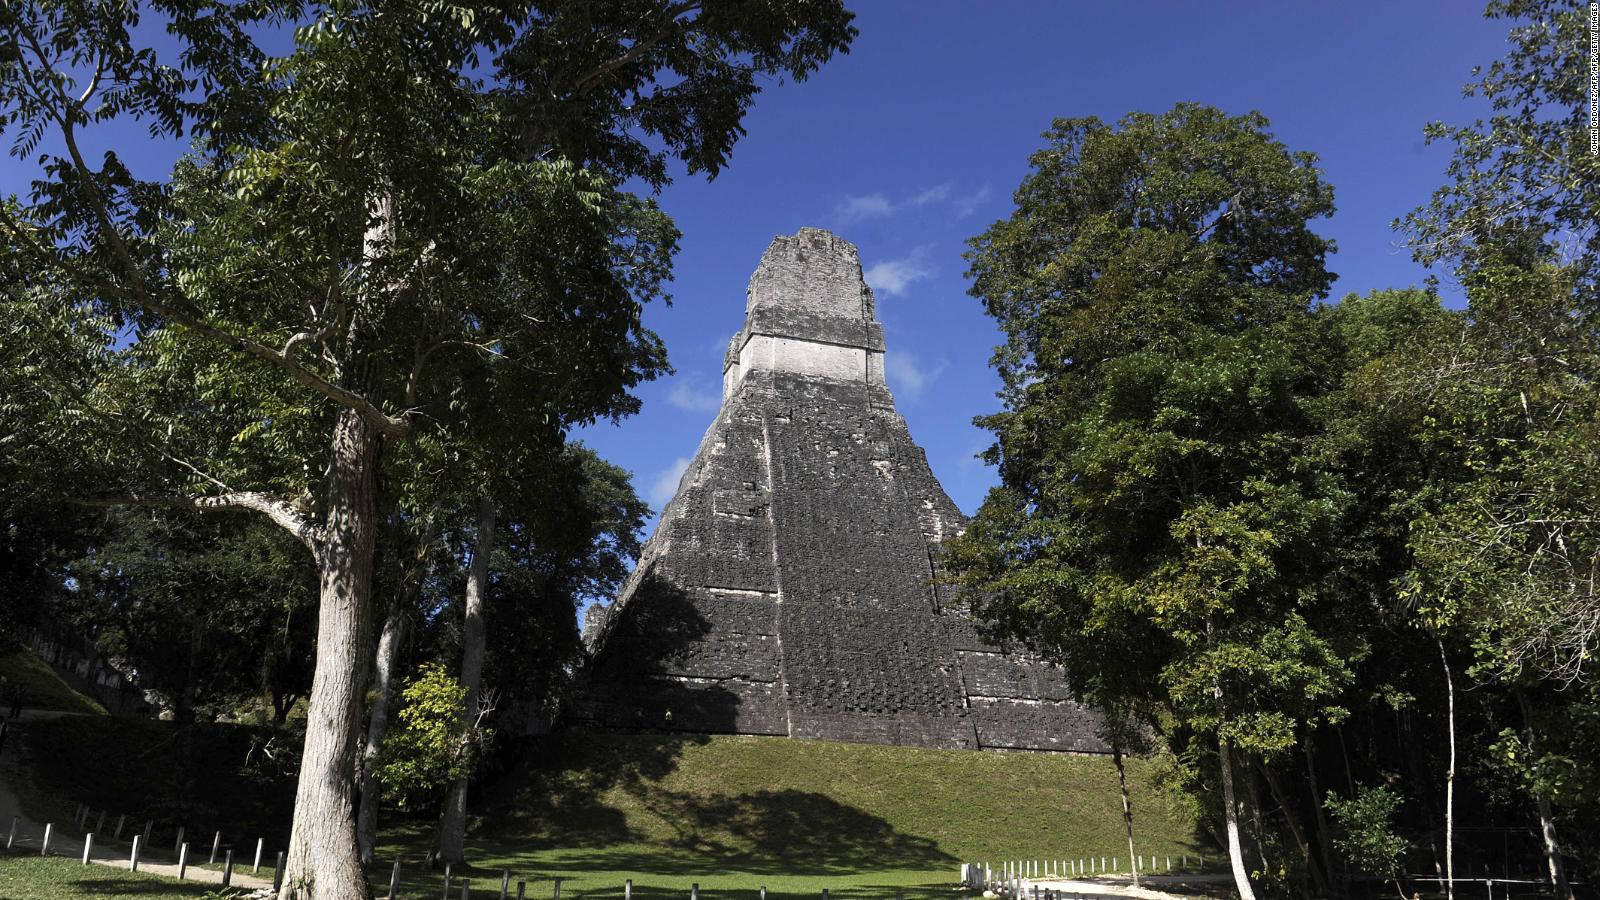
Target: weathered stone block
789	586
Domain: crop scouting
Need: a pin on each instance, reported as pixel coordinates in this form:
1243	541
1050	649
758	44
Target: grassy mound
734	813
39	684
729	813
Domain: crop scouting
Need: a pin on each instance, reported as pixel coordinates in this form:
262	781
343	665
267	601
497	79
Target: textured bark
1547	822
323	861
453	827
394	627
1281	797
1127	805
1450	778
1230	817
1324	836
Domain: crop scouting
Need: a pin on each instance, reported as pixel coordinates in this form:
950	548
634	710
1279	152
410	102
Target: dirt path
1122	887
66	841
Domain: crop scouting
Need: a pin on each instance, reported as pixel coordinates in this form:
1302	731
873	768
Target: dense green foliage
1353	547
426	749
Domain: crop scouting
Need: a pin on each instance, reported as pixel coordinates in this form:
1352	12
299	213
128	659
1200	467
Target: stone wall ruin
788	587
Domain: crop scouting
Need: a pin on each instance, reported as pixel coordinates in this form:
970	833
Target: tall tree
369	222
1513	552
1153	284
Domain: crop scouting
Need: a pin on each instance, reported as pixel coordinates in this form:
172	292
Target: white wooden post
394	874
257	867
215	843
45	847
133	857
12	838
88	845
627	889
505	883
227	869
183	860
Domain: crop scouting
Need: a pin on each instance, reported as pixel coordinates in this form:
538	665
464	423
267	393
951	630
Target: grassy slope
734	813
41	687
731	813
204	777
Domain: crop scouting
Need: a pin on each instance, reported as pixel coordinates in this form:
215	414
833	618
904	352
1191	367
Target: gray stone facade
787	589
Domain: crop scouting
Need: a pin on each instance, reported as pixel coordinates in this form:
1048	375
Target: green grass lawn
736	813
29	877
40	685
732	814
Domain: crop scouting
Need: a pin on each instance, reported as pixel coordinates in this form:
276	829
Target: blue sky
914	142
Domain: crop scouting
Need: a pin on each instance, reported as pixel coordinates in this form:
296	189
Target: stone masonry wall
787	589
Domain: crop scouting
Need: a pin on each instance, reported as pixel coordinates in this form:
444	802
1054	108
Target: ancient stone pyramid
787	589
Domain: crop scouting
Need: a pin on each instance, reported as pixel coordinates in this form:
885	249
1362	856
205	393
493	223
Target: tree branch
393	426
587	80
273	507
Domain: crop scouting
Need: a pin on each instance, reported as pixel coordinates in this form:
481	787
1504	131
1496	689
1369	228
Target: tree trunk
453	828
1275	787
1547	823
1324	836
323	861
1230	816
1450	777
1127	806
394	626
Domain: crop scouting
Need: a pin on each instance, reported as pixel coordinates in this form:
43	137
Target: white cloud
691	394
936	194
907	376
854	209
968	204
665	484
893	276
859	207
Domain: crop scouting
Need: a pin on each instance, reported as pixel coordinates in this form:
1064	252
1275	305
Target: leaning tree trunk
1547	822
1450	777
394	627
323	862
453	827
1230	817
1127	805
1281	797
1324	840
